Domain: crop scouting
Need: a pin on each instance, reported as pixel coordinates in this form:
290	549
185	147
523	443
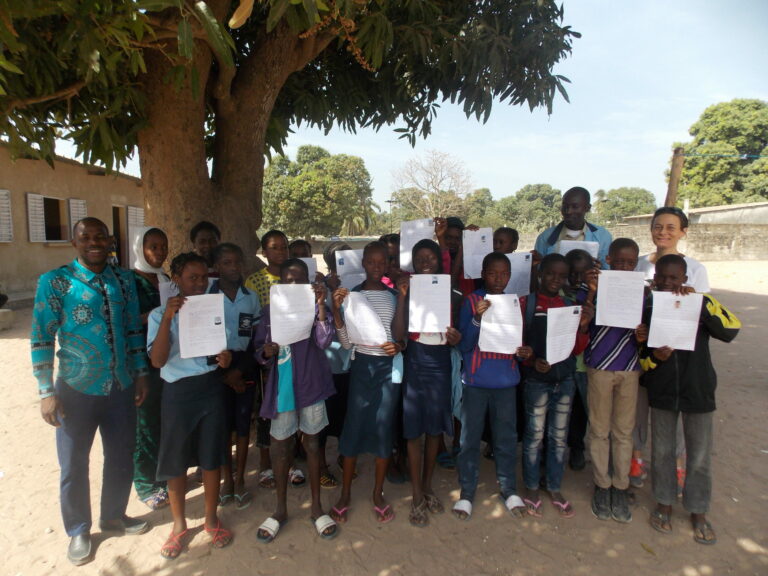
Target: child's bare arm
161	346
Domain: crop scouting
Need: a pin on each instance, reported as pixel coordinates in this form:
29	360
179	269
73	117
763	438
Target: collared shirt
97	322
175	367
260	282
240	316
549	241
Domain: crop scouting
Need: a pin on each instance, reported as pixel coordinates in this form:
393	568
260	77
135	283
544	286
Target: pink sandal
220	537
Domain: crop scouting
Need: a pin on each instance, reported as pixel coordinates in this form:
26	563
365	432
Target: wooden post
674	176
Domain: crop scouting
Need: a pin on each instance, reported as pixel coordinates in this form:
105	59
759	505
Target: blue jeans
115	418
546	403
501	404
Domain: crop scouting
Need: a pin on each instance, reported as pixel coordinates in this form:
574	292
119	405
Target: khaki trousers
612	399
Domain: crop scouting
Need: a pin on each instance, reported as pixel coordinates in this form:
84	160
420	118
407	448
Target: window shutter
135	216
77	211
6	218
36	217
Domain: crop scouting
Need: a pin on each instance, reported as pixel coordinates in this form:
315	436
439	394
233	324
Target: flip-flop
156	500
703	533
328	480
514	505
462	510
661	522
271	527
173	546
267	479
324	523
220	537
339	514
384	515
225	499
533	508
564	508
296	477
242	501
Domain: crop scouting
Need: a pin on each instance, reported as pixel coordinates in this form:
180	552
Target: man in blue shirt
93	310
576	204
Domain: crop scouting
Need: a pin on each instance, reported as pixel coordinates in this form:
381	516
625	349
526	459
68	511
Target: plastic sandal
173	546
434	505
267	479
418	515
384	515
220	537
296	477
463	509
322	524
328	480
339	514
242	501
564	509
515	505
271	527
661	522
534	508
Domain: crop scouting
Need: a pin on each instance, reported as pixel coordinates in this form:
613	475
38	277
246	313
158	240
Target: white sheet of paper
520	279
201	326
411	232
292	312
430	303
620	298
675	320
167	290
476	245
349	262
501	329
562	325
567	245
363	324
349	281
312	266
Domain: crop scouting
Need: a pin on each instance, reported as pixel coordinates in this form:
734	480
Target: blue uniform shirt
240	316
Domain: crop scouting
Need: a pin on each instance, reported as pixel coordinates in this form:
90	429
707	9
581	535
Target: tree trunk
178	191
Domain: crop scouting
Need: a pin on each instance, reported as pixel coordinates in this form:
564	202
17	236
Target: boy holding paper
489	385
298	383
549	382
613	372
682	383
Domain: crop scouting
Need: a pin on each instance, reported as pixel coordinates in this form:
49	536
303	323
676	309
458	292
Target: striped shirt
384	304
611	348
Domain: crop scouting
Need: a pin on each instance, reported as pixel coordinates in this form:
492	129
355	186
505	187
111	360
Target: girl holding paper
372	392
426	386
193	416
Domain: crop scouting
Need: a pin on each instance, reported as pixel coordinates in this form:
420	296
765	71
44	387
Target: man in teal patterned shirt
92	309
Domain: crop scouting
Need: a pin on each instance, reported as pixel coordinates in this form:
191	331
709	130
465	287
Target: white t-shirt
697	273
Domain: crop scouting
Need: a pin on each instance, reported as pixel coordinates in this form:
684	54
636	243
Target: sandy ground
32	540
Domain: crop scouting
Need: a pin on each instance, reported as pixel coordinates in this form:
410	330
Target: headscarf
140	262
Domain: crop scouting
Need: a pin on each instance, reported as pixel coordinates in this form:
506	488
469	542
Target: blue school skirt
368	423
192	425
427	390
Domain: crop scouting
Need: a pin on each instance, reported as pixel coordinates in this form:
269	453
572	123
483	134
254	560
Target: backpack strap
530	312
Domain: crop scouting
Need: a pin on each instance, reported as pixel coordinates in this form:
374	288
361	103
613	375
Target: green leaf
9	66
186	42
311	9
156	5
276	12
214	31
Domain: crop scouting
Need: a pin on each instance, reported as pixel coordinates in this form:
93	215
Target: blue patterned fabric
96	320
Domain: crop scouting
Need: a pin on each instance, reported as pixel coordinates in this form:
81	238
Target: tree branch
63	94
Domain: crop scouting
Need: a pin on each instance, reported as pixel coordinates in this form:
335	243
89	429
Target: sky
641	74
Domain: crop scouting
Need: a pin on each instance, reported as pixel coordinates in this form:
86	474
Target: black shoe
125	525
576	459
620	506
601	503
79	551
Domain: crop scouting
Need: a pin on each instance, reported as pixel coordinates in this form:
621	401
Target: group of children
411	386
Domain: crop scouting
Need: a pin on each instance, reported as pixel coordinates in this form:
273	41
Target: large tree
318	194
727	160
168	78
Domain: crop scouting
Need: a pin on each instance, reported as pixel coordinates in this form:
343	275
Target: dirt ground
32	539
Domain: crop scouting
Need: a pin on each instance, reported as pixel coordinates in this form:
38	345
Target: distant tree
321	194
723	163
506	212
478	206
612	206
433	185
539	207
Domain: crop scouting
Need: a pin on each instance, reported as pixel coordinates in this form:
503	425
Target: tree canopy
727	160
612	206
169	78
318	194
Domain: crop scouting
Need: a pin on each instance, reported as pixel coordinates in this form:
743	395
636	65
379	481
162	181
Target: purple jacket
312	378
